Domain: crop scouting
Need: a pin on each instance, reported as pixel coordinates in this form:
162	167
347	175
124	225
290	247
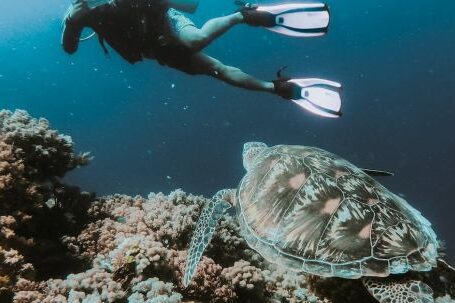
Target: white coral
445	299
154	291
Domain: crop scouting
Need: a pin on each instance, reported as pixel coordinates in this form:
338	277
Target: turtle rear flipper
405	291
208	219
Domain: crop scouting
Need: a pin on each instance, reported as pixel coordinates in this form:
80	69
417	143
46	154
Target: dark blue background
144	123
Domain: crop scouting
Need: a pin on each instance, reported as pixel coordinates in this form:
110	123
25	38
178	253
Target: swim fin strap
299	19
319	96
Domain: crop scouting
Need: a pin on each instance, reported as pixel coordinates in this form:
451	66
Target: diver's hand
78	12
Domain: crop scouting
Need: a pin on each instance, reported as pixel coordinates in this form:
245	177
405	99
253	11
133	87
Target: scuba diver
157	29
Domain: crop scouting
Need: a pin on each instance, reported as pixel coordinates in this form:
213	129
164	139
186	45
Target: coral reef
58	244
36	209
45	153
138	250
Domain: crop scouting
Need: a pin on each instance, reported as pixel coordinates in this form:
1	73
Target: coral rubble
58	244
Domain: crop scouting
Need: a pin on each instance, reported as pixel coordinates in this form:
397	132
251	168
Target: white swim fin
294	19
319	96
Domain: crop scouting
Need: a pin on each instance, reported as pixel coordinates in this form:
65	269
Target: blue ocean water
151	128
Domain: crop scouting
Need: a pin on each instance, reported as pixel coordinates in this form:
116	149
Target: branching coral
45	152
36	209
13	265
154	291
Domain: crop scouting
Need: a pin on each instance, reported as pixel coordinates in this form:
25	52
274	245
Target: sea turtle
309	210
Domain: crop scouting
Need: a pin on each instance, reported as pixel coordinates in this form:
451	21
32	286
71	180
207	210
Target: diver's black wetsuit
136	29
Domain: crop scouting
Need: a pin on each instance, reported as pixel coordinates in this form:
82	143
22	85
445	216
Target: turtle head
250	152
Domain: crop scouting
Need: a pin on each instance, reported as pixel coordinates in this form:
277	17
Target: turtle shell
312	211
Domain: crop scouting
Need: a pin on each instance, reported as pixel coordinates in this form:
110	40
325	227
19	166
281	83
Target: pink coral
32	159
46	152
243	275
28	292
13	266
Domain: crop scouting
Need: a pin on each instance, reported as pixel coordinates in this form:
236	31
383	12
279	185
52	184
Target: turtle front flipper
212	212
388	290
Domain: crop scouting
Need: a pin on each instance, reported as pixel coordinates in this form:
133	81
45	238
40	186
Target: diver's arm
79	15
73	27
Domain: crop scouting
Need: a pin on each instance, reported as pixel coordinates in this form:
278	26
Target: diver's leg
198	38
206	65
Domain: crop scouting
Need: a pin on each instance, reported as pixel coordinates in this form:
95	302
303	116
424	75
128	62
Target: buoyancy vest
133	28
